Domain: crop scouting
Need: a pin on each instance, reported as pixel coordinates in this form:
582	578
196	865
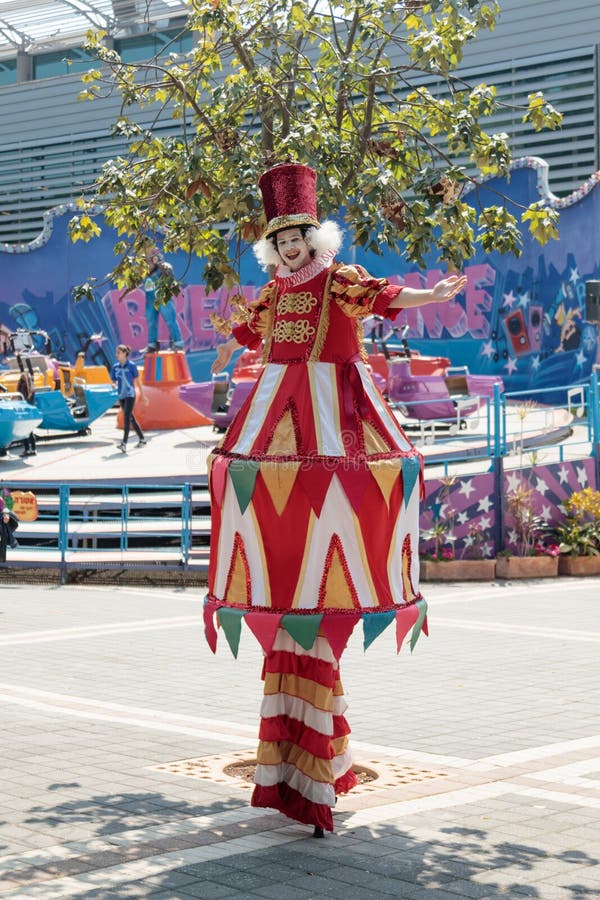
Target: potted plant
578	534
531	555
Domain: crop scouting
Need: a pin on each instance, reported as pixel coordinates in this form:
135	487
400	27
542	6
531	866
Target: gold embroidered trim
268	295
290	221
360	337
303	302
323	325
298	332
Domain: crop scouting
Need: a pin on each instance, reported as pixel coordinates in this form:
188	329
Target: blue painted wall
514	318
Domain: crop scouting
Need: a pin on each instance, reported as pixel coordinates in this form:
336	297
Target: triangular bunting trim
209	627
411	468
303	629
337	630
263	626
230	621
354	482
243	474
416	632
218	477
279	479
405	619
314	481
386	475
375	624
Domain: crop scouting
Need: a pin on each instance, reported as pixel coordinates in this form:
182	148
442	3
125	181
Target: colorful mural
523	319
459	518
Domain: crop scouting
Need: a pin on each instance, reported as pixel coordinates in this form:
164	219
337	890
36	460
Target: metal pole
63	528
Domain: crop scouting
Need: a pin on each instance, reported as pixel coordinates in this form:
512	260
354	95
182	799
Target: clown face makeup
293	249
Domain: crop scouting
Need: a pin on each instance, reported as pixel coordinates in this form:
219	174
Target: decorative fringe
337	626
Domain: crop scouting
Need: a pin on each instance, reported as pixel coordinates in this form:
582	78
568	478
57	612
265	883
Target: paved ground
486	740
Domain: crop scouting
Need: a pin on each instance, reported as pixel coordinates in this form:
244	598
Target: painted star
484	504
485	522
574	276
513	481
535	363
486	549
509	300
513	537
511	365
541	486
563	475
487	349
462	517
582	477
580	359
525	300
546	513
466	488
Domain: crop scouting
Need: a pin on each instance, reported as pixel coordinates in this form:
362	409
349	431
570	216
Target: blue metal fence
106	525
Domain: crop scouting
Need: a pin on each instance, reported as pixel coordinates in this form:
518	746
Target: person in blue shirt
124	375
158	268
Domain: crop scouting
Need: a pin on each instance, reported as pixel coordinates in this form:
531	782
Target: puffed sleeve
248	324
359	294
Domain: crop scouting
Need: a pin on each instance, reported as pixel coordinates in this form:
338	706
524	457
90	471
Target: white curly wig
328	236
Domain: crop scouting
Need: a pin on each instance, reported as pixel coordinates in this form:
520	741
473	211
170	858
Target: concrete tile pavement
487	741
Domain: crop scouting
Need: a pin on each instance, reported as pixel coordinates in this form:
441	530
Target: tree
367	94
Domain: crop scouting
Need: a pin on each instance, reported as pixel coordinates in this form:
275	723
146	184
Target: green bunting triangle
230	621
418	626
411	468
243	474
375	623
302	629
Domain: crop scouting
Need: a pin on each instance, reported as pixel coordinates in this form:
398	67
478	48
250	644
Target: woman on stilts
315	498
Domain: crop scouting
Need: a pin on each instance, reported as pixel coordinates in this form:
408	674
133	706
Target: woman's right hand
224	353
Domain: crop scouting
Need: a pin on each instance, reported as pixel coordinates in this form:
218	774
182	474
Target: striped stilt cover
303	755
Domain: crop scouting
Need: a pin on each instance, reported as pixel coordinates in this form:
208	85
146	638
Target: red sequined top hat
289	197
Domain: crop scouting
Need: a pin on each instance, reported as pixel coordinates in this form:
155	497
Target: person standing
314	498
125	376
25	387
7	537
158	268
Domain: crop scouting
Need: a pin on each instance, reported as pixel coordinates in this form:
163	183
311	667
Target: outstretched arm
443	291
224	353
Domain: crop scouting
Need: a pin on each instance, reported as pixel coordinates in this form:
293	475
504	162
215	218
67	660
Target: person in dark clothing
124	375
7	537
25	387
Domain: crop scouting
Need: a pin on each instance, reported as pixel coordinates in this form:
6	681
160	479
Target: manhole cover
245	771
372	774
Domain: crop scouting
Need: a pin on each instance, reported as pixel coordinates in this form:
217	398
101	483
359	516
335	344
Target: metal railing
106	525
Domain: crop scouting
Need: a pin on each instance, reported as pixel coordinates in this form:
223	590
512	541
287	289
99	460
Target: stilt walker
315	499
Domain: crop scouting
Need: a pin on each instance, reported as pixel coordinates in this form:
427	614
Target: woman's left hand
448	288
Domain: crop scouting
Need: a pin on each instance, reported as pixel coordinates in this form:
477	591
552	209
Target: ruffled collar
287	279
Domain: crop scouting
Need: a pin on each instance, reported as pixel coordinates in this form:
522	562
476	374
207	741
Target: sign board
25	505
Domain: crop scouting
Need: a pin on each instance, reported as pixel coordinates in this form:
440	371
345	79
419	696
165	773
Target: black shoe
122	447
318	832
151	348
142	442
